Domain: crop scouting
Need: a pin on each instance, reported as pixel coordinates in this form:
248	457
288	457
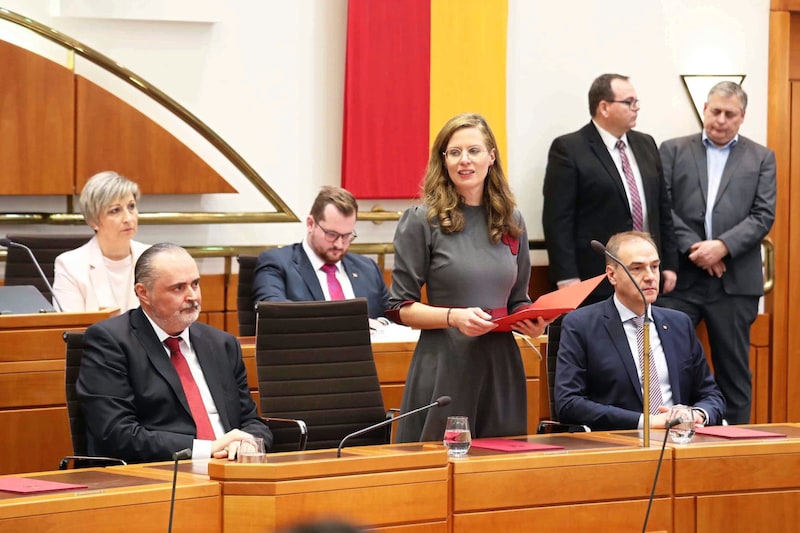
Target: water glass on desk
683	432
251	450
457	437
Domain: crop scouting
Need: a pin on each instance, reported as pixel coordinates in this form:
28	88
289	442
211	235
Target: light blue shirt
716	158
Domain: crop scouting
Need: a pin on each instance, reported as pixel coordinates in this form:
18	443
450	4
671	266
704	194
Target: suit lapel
307	272
98	277
666	335
351	270
601	152
735	155
698	151
616	333
157	355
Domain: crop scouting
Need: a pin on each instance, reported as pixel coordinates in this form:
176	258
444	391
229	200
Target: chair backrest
315	363
551	355
77	423
245	308
21	271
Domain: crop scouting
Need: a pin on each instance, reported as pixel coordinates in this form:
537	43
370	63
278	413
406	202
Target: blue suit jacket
596	383
286	275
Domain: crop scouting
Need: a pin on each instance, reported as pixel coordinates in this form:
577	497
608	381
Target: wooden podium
33	411
403	487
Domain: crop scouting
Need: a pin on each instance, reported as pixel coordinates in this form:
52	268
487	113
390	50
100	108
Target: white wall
268	77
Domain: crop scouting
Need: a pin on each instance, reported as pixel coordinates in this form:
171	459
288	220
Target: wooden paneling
33	440
113	135
37	126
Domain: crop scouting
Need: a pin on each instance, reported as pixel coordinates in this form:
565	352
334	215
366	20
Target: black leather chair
21	271
551	355
315	363
77	422
245	307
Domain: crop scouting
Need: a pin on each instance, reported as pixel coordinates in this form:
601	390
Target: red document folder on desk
552	304
23	485
735	432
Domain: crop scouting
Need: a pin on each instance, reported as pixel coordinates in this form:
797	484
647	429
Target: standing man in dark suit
723	193
319	268
598	373
600	180
154	381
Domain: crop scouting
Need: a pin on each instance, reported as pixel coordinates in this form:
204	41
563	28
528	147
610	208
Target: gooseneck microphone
186	453
9	243
669	425
440	401
598	247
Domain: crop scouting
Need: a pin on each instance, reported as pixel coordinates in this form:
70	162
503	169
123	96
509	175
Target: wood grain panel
113	135
33	440
614	517
749	513
779	126
37	106
32	344
191	515
32	389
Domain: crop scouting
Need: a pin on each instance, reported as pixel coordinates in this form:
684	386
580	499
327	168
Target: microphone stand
177	456
598	247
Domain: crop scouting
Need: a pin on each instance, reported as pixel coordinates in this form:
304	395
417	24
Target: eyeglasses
630	102
454	154
332	236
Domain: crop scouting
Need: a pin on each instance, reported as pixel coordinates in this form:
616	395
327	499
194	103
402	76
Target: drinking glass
457	438
251	450
683	432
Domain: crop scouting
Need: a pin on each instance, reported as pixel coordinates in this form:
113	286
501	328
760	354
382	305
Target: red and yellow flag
411	65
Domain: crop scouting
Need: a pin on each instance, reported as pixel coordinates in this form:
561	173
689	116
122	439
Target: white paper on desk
394	333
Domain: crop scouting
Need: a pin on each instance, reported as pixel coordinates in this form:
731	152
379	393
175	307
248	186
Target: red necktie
334	287
196	406
633	190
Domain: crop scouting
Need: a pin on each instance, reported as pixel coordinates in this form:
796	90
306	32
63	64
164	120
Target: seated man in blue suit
319	267
598	370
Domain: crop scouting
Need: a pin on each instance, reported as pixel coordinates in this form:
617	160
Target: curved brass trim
769	264
108	64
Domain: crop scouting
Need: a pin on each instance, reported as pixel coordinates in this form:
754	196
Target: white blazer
81	281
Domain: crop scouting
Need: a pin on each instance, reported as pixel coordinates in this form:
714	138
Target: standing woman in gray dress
468	246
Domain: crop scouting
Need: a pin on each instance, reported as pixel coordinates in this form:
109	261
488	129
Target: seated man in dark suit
319	268
154	381
598	370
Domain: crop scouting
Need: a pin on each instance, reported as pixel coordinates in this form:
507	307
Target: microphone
9	243
669	425
440	401
177	456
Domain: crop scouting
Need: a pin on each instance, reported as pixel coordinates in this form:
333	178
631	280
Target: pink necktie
655	384
196	406
633	190
334	287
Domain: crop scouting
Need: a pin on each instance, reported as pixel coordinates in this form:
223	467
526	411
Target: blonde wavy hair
440	195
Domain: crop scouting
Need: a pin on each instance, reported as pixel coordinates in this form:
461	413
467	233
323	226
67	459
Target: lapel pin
355	274
666	327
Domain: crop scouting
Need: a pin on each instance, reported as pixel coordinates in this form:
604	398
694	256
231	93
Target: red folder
552	304
735	432
24	485
508	445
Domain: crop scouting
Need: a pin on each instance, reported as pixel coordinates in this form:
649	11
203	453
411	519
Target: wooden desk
118	499
738	485
33	412
392	360
403	487
597	483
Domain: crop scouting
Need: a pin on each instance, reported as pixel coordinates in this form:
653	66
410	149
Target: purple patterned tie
633	190
334	287
655	385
